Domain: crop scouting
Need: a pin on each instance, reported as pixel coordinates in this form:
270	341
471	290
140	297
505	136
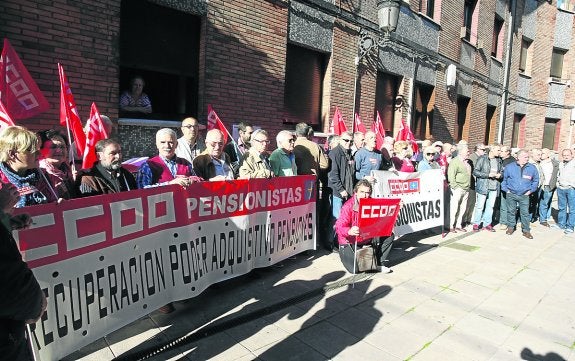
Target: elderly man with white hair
214	164
166	167
282	159
256	163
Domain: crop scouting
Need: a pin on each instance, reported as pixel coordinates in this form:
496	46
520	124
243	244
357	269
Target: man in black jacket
21	299
340	180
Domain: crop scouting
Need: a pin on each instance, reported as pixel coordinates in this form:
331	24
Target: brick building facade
277	62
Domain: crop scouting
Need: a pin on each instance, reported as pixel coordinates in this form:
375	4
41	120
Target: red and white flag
5	120
379	130
96	131
337	123
214	122
359	127
18	91
69	113
406	134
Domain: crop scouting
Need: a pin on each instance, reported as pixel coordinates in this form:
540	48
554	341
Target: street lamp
387	16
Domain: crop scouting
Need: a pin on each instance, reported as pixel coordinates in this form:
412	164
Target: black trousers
381	247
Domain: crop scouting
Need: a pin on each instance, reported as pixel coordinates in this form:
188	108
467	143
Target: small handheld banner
377	216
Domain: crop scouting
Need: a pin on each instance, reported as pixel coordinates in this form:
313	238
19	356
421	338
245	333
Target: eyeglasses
404	148
214	144
190	126
429	153
346	140
262	141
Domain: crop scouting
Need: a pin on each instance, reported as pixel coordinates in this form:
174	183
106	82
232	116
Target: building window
423	105
515	136
557	63
162	46
489	122
470	21
305	70
525	57
462	118
568	5
385	93
497	42
550	132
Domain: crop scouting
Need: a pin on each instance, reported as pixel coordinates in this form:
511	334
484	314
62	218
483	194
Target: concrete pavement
472	296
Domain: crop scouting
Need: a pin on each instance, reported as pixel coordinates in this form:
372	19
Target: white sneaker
383	269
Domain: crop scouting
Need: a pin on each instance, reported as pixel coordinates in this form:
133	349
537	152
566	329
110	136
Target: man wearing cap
190	145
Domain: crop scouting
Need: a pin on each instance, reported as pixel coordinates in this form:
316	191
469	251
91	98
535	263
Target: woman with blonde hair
402	159
19	165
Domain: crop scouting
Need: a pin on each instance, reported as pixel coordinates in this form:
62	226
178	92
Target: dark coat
96	181
20	299
341	175
204	167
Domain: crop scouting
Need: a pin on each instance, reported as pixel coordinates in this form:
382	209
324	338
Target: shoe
475	228
461	229
534	219
558	226
453	230
489	228
383	269
528	235
503	227
169	308
568	230
545	224
510	231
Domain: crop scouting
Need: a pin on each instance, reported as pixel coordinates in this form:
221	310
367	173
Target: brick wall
82	36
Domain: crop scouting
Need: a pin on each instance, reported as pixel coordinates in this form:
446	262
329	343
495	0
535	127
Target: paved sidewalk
472	296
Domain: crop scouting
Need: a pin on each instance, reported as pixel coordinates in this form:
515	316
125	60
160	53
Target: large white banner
421	194
106	261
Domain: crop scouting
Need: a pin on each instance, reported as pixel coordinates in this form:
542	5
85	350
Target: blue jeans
503	208
336	204
514	200
483	211
566	199
545	197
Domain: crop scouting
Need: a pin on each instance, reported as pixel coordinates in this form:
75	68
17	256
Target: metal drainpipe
505	95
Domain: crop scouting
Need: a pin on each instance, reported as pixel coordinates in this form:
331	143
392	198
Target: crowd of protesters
484	187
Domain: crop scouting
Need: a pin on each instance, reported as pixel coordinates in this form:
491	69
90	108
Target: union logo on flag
309	190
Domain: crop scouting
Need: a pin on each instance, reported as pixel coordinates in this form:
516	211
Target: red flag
377	128
337	124
359	127
69	113
214	122
5	120
406	134
377	216
18	91
96	132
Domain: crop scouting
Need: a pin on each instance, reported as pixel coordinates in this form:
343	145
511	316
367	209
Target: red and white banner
377	216
5	120
106	261
214	122
69	116
18	91
96	132
421	194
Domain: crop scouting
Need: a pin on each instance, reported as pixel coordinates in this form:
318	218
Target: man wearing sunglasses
282	159
340	179
428	162
190	145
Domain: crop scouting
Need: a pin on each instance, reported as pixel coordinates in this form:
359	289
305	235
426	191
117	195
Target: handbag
364	257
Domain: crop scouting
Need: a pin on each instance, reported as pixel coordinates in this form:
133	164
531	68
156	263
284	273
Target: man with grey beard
107	175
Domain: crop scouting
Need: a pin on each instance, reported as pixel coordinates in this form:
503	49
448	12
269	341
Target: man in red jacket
348	231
